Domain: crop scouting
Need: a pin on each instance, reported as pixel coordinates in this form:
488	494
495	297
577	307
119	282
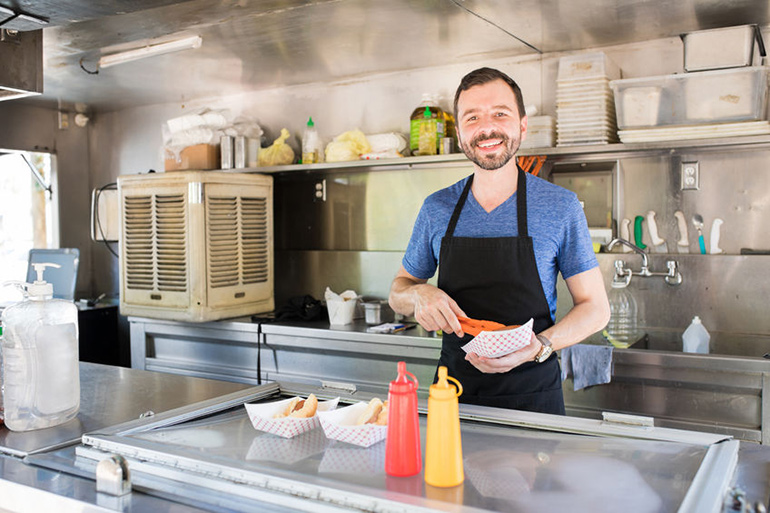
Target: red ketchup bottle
402	447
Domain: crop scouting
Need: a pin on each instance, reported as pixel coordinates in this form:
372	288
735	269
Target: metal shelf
588	152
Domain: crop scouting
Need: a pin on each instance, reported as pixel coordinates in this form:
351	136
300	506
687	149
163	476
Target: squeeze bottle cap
402	385
40	287
427	114
442	389
310	122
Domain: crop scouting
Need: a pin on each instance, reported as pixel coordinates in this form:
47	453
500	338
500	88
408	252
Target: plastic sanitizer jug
695	338
41	374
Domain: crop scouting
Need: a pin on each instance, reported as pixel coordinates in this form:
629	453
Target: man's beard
510	146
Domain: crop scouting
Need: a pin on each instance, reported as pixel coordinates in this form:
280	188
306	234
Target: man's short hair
483	76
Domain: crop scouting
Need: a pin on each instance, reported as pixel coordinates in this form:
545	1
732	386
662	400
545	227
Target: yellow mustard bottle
443	446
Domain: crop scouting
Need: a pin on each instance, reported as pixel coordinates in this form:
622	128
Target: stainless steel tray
513	462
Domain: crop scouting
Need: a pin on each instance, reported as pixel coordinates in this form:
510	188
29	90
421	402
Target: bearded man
499	238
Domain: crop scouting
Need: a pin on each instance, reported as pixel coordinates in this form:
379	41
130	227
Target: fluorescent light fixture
150	51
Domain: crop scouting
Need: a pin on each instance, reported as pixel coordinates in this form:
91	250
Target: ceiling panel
251	45
247	47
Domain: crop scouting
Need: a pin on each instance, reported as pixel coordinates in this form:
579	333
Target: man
501	236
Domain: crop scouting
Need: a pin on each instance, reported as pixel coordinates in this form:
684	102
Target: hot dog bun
305	409
382	418
289	408
373	409
299	408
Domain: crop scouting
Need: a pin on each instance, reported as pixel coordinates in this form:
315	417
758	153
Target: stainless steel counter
207	457
113	395
724	393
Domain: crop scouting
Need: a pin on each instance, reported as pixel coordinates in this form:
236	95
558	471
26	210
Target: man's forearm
582	321
401	298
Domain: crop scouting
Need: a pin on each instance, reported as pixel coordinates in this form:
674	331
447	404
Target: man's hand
431	306
507	362
435	310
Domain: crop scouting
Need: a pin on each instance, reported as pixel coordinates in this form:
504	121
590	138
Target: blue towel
587	364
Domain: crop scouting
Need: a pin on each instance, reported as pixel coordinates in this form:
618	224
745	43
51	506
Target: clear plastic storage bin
693	98
587	66
729	47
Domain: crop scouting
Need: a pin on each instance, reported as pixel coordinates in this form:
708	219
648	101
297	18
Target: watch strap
545	351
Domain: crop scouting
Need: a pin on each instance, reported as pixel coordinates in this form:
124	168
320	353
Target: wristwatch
545	351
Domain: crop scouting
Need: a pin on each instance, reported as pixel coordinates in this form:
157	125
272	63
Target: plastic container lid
310	122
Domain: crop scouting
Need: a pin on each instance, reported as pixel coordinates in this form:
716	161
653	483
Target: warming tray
514	461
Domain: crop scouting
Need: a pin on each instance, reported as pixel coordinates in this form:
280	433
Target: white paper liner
261	416
341	425
493	344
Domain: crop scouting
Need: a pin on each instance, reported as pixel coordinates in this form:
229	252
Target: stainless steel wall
356	238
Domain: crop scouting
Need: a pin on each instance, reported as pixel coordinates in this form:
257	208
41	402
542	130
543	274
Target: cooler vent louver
237	232
196	246
155	243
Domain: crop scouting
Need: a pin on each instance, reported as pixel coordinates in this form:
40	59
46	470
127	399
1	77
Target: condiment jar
402	447
443	446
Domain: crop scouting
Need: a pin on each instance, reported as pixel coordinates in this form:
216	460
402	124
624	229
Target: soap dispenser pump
41	374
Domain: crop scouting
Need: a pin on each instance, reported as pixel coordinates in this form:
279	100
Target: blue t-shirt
555	220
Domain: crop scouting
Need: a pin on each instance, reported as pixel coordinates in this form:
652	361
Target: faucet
623	274
645	271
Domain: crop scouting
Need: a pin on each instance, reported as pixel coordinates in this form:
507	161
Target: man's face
489	128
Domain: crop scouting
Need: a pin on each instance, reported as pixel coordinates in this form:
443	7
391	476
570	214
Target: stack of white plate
541	131
585	106
683	132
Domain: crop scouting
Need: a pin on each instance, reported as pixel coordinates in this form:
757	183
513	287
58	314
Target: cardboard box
198	157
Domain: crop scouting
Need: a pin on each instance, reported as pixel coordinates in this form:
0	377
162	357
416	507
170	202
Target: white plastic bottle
311	144
41	373
695	338
624	315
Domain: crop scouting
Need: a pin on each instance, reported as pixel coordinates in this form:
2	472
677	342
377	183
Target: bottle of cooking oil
425	127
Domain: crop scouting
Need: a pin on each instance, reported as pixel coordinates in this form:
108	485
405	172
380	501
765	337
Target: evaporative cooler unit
196	246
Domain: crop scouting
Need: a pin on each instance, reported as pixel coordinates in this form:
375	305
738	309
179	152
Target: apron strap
521	203
450	229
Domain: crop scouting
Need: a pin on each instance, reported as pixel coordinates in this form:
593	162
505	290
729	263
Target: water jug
443	446
624	314
40	358
402	447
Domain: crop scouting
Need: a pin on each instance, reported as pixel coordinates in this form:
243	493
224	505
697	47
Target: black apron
496	279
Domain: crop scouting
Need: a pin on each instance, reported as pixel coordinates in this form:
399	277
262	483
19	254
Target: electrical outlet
690	176
320	191
64	120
